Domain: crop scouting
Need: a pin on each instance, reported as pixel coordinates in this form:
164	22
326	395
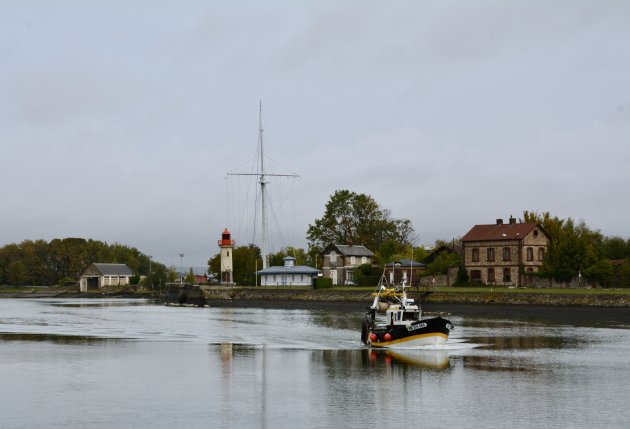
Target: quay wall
360	298
237	294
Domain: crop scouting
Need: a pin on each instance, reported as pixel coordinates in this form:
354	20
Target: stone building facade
497	254
340	262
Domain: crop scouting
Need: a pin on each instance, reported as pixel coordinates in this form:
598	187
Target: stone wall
534	281
440	280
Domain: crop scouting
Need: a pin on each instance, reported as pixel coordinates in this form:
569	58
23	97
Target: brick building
493	254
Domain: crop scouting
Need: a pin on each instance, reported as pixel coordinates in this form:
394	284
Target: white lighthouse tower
227	248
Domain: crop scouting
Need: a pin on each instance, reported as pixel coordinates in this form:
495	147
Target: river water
118	363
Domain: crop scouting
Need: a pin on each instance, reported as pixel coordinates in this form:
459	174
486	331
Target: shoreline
567	307
574	315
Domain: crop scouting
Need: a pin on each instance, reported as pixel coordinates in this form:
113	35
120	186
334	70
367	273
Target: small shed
99	275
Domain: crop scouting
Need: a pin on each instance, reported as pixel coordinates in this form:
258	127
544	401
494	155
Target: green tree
615	248
441	263
44	264
600	272
575	248
17	273
190	276
214	264
301	257
621	274
357	218
246	260
367	275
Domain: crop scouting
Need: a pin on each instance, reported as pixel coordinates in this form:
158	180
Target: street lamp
150	278
181	267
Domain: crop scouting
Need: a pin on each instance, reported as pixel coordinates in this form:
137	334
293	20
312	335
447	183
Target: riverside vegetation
348	218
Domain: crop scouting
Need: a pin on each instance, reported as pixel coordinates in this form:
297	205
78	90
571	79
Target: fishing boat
402	325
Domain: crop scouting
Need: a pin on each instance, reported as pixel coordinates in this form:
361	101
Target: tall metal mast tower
263	183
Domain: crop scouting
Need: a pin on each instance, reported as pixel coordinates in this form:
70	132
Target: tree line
575	250
45	263
349	218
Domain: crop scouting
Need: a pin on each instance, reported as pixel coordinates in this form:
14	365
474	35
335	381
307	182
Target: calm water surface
134	364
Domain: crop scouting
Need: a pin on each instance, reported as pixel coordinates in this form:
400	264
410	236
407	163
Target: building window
475	255
507	275
491	254
353	260
475	275
363	260
535	233
350	277
506	254
530	254
491	275
541	253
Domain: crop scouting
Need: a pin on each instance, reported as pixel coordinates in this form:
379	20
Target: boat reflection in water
430	359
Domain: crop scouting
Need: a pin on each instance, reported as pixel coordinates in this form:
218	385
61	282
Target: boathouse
99	275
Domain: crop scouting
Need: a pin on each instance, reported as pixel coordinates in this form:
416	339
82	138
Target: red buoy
373	337
387	337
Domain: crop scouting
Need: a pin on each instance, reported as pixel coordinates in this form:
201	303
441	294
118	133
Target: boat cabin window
411	315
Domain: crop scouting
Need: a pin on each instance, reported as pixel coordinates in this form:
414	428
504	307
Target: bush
322	283
67	281
462	277
600	272
367	275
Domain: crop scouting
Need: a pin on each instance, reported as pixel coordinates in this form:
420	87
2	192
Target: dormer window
333	259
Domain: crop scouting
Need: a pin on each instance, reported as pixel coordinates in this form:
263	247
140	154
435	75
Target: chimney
512	220
499	221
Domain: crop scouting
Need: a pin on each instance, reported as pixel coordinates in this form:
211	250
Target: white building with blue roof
288	275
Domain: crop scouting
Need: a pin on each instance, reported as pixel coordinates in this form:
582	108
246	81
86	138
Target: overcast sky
119	120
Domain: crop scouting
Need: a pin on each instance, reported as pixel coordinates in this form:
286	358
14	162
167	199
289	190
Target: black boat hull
425	332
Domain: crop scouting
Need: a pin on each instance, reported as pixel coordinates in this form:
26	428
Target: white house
97	276
288	275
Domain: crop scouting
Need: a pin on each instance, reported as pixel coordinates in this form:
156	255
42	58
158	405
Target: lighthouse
227	248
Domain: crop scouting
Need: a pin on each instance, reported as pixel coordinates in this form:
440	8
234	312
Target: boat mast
262	175
263	213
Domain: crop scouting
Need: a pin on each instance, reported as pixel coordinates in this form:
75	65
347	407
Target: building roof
349	250
406	263
500	231
113	269
295	269
456	249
